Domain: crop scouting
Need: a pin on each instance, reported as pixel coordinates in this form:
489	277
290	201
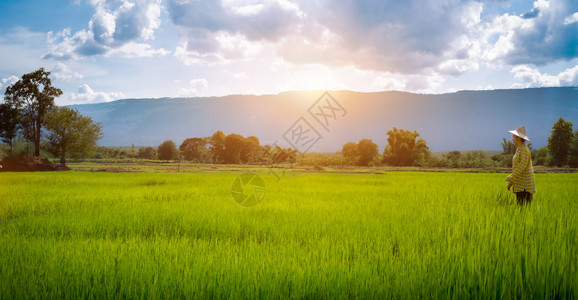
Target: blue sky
103	50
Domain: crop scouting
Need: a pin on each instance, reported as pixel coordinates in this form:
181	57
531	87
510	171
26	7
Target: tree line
29	114
405	148
226	149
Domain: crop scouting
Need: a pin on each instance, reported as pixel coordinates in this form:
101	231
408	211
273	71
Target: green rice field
314	235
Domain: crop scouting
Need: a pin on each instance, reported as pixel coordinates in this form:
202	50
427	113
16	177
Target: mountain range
323	121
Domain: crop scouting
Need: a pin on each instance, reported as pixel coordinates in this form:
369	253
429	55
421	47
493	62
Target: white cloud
458	66
63	72
112	30
232	30
131	49
426	84
195	88
573	18
412	37
4	82
243	9
227	48
488	87
388	82
569	77
103	26
527	77
240	75
538	37
63	45
85	94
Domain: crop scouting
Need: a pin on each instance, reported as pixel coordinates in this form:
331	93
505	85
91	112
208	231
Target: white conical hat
521	132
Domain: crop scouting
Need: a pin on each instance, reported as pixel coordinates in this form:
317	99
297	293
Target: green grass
315	235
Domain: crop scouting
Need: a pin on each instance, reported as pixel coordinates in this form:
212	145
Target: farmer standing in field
522	177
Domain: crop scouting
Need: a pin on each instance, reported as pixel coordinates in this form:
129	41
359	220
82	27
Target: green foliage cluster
29	111
360	154
573	161
405	148
560	143
317	236
167	151
147	153
196	150
116	153
9	125
69	131
234	149
125	153
32	96
469	159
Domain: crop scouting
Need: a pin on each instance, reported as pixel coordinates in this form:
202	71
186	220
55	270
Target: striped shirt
522	177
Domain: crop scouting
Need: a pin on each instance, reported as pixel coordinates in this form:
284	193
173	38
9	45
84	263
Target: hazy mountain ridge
463	120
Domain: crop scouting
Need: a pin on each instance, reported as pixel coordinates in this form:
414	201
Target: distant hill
464	120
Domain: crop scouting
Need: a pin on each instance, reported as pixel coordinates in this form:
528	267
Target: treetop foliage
404	148
33	96
560	142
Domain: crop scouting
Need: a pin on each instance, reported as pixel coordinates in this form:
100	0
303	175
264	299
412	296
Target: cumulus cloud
571	19
223	31
411	44
416	37
115	29
527	77
373	35
388	82
132	49
195	88
63	72
85	94
545	34
4	82
228	48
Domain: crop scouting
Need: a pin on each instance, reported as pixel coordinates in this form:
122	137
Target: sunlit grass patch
396	234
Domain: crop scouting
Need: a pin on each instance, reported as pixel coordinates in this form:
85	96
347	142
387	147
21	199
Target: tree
403	149
195	149
574	151
453	157
508	147
71	132
9	120
367	150
34	96
234	144
540	156
559	142
251	150
147	153
349	152
217	147
278	155
167	151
